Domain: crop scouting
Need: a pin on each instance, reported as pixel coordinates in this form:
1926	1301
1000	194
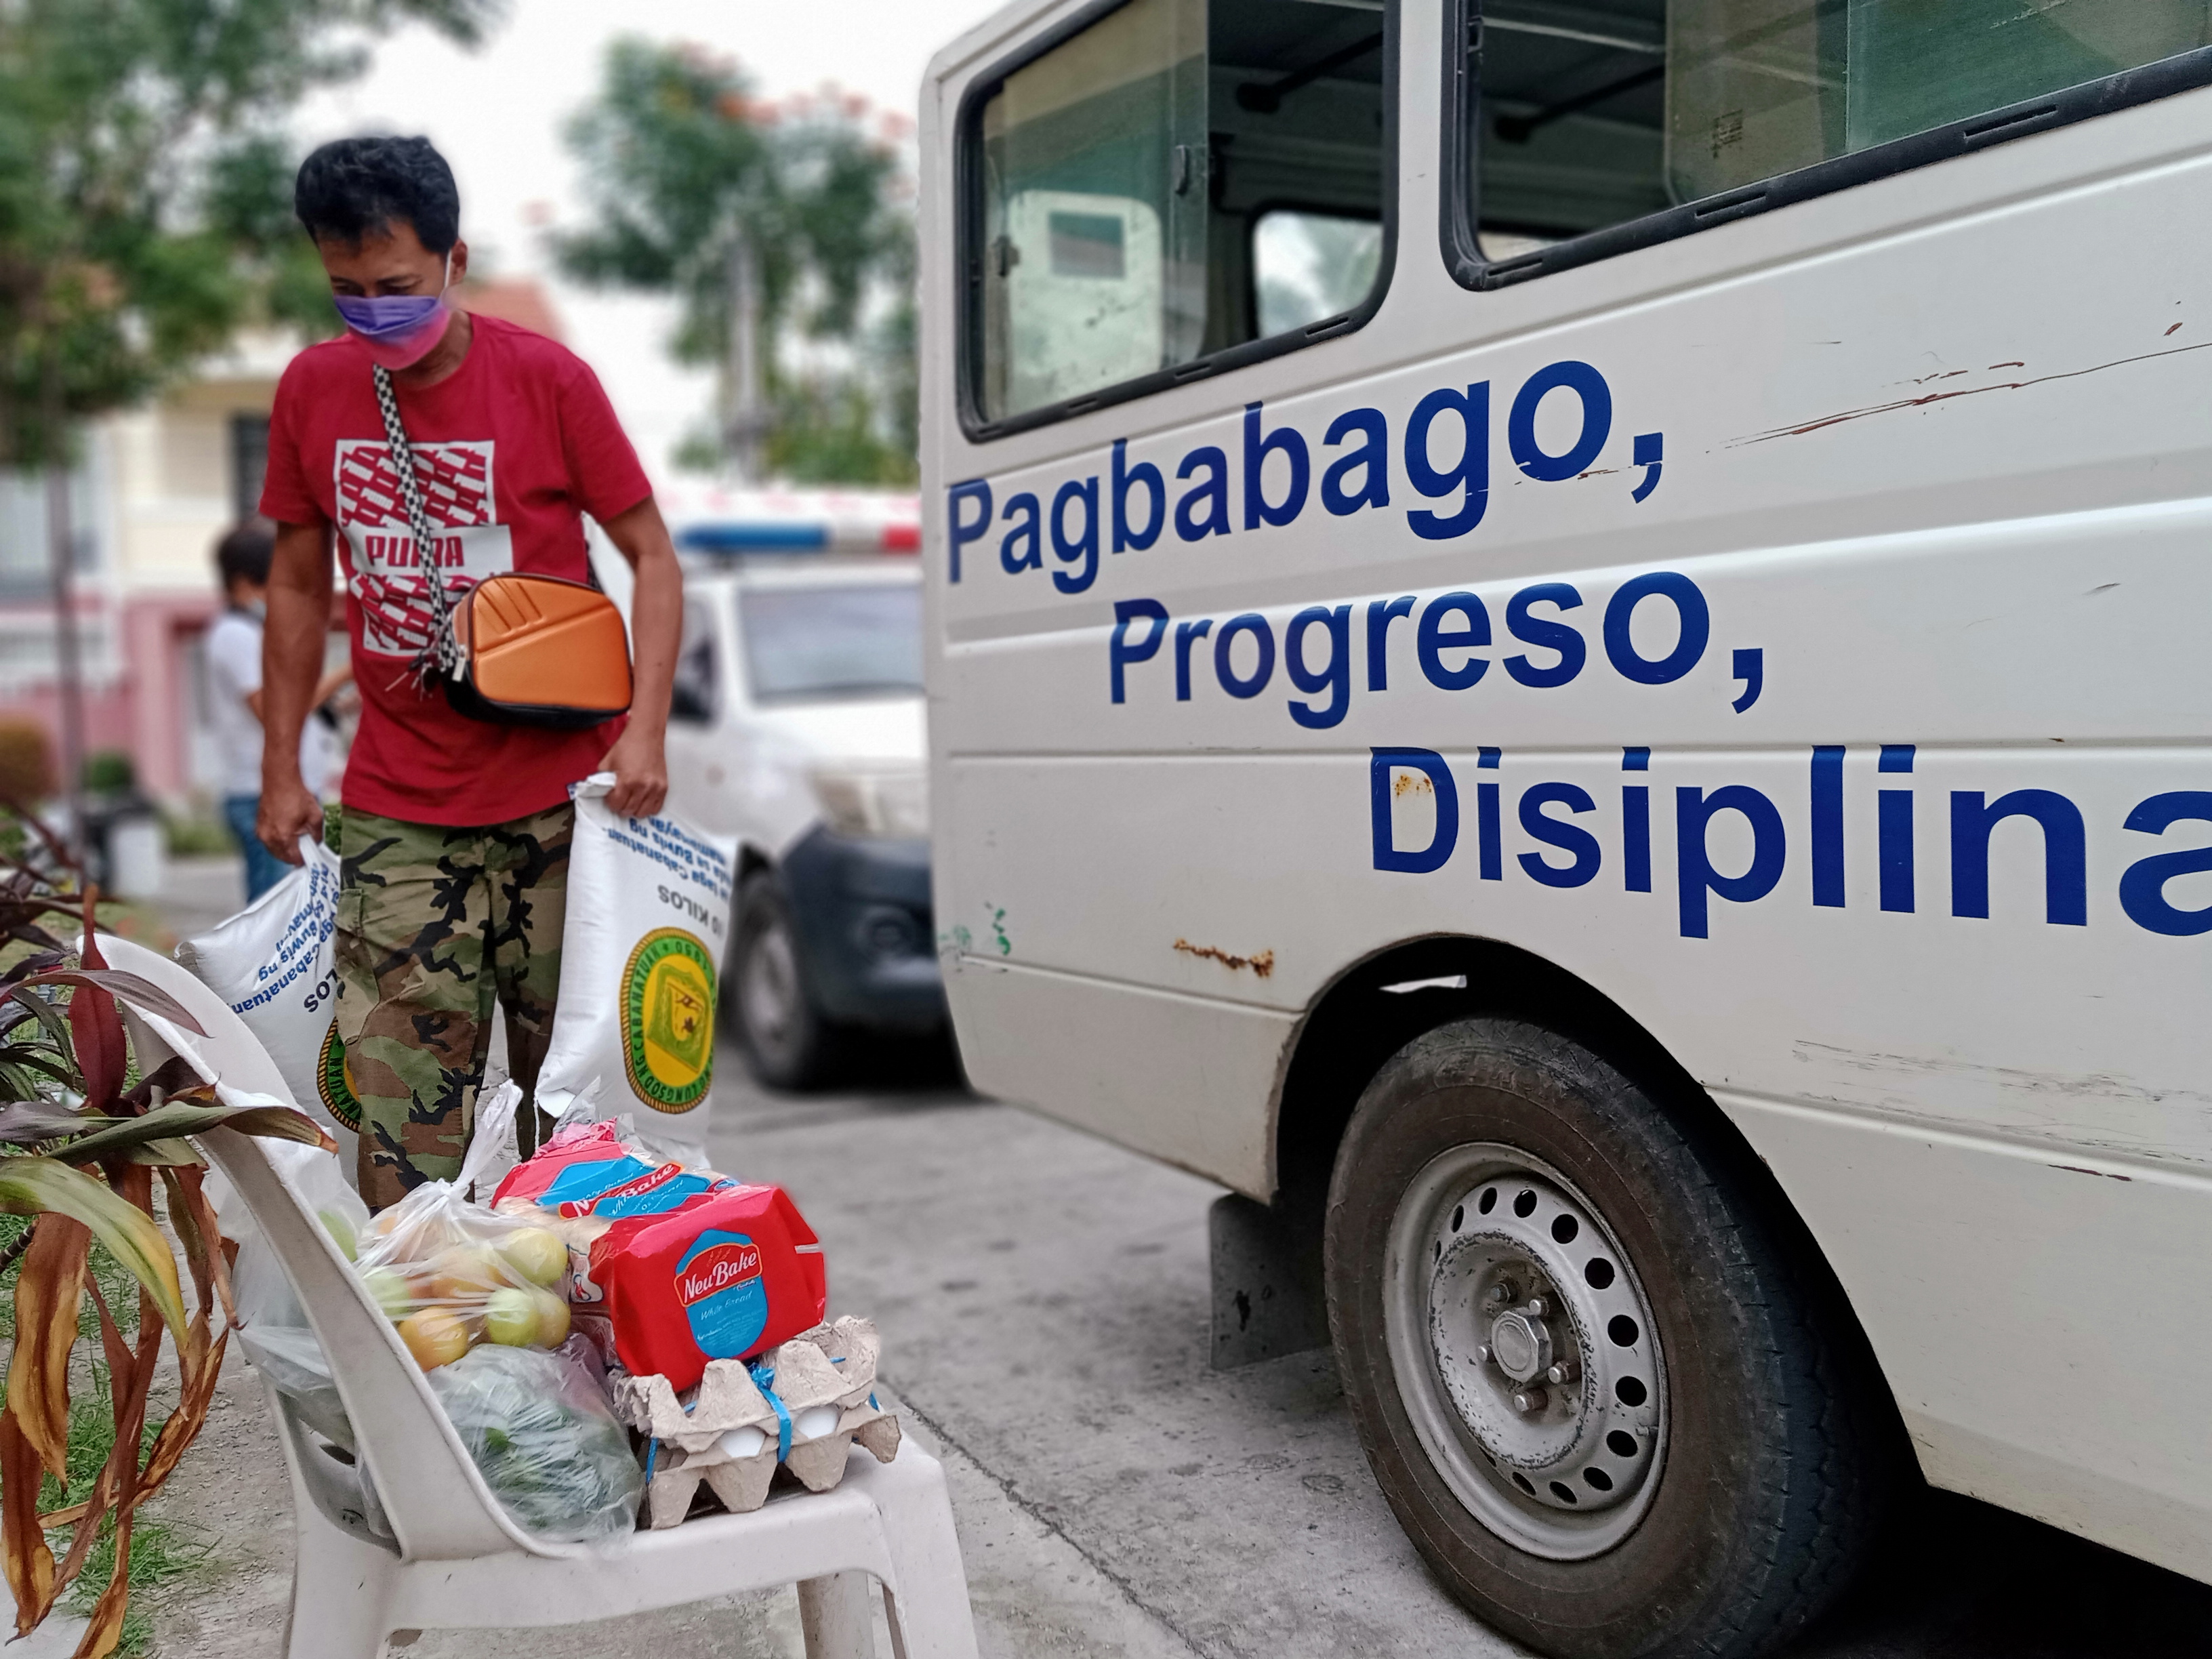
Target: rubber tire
801	1057
1782	1451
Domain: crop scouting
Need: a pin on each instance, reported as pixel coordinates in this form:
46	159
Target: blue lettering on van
1121	653
1546	634
1577	844
961	530
1469	475
1079	548
1371	461
1127	478
1022	547
1452	420
1452	634
1382	763
2142	885
1596	399
1333	675
1286	441
2059	830
1694	627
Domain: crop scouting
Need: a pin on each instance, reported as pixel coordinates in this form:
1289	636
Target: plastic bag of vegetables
451	1274
547	1445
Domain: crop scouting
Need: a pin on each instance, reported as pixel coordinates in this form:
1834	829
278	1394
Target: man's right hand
288	811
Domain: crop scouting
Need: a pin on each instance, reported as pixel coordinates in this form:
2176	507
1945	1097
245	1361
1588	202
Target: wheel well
1358	1025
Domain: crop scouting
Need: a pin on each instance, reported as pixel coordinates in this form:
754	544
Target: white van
1567	640
797	726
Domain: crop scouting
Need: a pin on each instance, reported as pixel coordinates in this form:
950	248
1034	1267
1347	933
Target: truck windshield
852	639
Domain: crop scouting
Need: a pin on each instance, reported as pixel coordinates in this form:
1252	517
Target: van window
850	640
1306	266
1121	175
1600	111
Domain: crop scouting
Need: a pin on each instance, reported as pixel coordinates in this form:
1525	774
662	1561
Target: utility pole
746	419
61	557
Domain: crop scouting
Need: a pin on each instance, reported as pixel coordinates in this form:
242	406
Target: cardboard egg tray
829	1366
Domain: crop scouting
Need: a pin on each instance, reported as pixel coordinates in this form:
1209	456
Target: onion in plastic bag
544	1440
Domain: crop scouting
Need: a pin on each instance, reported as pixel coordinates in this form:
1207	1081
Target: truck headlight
890	804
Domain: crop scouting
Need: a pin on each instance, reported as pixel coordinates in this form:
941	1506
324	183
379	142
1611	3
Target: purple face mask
398	330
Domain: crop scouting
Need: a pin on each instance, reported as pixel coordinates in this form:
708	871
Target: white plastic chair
415	1539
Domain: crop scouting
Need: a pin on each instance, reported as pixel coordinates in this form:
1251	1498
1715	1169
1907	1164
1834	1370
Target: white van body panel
1937	449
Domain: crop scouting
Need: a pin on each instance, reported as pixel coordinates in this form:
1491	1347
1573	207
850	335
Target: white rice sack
640	960
271	963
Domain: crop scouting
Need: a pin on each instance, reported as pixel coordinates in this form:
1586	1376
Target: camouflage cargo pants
434	925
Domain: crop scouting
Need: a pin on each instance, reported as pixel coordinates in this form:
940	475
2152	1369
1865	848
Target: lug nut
1538	1307
1482	1353
1530	1400
1565	1372
1500	1294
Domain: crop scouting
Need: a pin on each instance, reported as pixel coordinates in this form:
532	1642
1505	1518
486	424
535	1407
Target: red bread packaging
673	1266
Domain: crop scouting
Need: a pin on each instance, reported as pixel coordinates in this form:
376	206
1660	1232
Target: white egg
814	1424
744	1443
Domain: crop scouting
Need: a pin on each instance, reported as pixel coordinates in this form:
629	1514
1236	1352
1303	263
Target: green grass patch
161	1554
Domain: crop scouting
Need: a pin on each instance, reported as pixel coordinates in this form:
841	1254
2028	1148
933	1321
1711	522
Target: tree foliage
680	156
144	197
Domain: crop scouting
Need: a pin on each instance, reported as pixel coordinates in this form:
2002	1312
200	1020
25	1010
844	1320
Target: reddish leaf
47	1292
194	1221
185	1422
135	990
104	1627
29	1563
96	1024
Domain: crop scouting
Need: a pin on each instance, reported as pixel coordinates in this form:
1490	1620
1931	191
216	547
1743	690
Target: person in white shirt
233	660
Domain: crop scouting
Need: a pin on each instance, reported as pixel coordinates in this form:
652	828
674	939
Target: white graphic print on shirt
381	563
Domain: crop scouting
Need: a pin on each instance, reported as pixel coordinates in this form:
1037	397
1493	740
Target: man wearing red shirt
454	832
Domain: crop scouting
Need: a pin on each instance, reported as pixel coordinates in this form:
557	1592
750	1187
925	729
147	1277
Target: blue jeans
264	869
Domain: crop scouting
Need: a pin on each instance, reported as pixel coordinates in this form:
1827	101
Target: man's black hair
352	188
246	554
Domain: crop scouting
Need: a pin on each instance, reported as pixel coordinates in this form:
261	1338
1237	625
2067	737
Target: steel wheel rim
1525	1475
767	991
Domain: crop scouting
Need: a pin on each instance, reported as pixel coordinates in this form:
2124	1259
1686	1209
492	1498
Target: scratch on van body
2075	1169
1261	963
2046	1086
1926	398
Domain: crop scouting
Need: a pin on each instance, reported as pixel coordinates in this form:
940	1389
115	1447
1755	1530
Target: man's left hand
638	761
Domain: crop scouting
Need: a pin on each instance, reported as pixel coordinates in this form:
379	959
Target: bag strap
441	656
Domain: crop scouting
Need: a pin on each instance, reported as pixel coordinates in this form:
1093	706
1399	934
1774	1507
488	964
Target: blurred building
156	488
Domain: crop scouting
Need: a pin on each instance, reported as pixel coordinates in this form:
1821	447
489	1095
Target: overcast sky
497	112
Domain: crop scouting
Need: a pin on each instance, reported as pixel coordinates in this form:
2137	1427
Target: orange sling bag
514	649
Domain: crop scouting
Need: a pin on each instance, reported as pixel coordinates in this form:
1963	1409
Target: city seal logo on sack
718	1284
668	1020
335	1083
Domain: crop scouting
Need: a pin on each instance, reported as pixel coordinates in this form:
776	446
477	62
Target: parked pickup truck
797	725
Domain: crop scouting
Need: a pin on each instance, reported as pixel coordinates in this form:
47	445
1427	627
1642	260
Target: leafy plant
81	1147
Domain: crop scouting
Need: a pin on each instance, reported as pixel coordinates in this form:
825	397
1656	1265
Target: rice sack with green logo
640	961
272	963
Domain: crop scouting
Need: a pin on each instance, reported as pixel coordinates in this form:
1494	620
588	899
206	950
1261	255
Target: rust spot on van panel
1261	963
2176	328
1411	783
1925	399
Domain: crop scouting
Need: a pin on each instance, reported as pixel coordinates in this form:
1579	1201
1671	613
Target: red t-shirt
510	448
